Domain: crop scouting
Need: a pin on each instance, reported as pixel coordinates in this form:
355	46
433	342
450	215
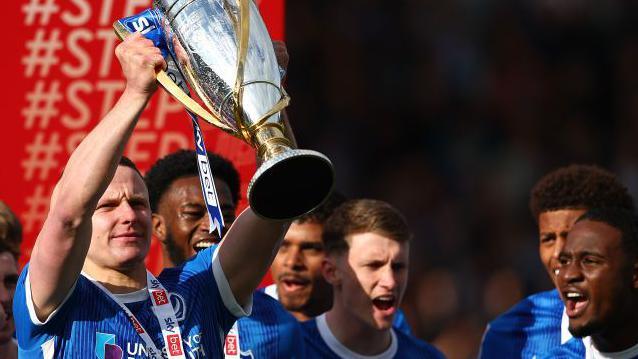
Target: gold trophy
224	51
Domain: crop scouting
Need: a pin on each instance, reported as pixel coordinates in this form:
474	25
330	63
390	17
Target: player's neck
311	310
617	341
167	261
355	334
118	281
301	316
618	337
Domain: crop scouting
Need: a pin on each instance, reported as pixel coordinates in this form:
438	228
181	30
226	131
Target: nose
293	258
127	213
558	247
387	278
204	223
569	273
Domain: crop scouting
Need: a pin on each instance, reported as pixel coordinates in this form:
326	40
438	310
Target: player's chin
383	322
130	255
582	327
293	302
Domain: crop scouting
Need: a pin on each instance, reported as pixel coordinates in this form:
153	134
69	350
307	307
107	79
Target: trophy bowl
223	50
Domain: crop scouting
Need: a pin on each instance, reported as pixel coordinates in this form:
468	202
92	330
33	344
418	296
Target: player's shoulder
401	323
266	306
264	300
310	331
202	261
411	347
527	312
546	300
310	326
531	327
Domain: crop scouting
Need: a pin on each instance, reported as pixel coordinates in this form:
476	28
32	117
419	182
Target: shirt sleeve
203	276
32	333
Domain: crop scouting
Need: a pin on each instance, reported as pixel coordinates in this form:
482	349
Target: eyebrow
591	253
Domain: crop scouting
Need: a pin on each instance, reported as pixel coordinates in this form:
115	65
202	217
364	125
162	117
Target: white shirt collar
271	290
132	297
333	343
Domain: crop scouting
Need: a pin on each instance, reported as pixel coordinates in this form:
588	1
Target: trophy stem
270	141
289	182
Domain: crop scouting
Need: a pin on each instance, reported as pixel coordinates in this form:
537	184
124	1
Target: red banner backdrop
60	77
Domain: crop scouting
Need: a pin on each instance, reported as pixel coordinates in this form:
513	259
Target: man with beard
537	324
296	270
367	250
181	223
86	291
598	281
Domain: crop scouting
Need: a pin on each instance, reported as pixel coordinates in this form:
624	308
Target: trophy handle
179	94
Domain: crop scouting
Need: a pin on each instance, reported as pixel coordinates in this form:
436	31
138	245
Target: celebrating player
296	270
181	223
367	250
86	290
598	280
533	326
299	284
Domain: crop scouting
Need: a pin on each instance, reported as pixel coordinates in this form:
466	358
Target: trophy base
291	184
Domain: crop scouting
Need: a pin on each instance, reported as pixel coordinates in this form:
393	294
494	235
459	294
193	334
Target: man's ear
330	271
159	227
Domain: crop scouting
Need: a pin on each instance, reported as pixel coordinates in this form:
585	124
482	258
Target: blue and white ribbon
149	24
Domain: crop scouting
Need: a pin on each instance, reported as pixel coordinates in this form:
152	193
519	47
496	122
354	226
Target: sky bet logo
160	297
136	325
174	345
105	347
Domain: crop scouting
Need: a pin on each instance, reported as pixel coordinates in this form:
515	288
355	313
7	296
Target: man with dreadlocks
538	324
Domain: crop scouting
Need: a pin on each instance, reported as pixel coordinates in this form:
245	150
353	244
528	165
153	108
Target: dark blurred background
451	110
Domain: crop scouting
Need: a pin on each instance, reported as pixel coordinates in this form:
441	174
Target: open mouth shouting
386	304
575	302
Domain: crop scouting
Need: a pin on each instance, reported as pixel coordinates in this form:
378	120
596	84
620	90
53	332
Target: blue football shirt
573	349
89	324
321	343
270	331
531	328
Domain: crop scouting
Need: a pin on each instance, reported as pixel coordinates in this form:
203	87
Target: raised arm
247	251
63	242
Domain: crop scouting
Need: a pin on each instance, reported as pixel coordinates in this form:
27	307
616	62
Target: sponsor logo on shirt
231	344
105	347
160	297
174	344
179	305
